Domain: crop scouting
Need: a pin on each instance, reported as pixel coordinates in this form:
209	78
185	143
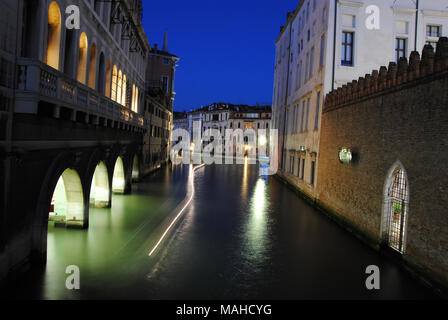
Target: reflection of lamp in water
244	184
263	140
259	198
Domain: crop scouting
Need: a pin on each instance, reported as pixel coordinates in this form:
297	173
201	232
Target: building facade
71	111
225	116
383	168
160	74
325	44
180	120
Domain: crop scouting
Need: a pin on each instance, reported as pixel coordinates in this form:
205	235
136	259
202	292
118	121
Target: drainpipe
286	96
417	5
334	42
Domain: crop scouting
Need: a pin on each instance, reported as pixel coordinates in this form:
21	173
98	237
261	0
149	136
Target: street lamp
345	155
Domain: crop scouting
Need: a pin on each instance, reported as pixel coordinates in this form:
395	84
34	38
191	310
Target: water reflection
256	240
245	179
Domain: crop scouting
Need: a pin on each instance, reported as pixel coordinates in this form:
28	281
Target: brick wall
397	114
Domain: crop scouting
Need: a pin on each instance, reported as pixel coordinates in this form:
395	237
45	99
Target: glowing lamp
345	155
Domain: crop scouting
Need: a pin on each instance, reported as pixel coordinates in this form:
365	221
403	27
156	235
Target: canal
241	237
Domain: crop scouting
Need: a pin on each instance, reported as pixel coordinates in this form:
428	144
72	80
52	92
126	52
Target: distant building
222	116
160	93
316	53
180	120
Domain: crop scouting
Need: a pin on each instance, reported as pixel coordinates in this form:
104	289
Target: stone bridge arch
64	162
77	166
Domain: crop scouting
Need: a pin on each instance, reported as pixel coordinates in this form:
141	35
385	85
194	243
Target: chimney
165	42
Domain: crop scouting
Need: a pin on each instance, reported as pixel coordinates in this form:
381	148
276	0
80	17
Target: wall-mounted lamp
345	155
302	149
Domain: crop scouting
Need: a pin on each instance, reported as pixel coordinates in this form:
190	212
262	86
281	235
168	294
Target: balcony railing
35	78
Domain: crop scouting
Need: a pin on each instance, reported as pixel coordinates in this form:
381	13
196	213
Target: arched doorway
135	169
119	180
54	35
67	204
99	190
82	59
395	207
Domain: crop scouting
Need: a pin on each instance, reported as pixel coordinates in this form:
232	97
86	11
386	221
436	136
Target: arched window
395	208
136	100
92	67
102	74
114	84
108	79
54	35
133	98
123	96
119	86
82	59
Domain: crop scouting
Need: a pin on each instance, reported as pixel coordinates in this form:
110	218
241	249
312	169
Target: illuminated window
54	35
82	59
124	91
136	100
133	98
114	84
119	86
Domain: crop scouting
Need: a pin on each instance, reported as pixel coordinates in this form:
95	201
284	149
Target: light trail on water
180	212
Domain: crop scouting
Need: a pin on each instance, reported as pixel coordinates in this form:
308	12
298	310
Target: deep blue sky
226	47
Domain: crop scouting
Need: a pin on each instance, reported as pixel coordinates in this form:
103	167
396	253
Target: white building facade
246	122
308	65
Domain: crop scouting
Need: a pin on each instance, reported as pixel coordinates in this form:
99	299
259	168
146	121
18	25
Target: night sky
226	47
